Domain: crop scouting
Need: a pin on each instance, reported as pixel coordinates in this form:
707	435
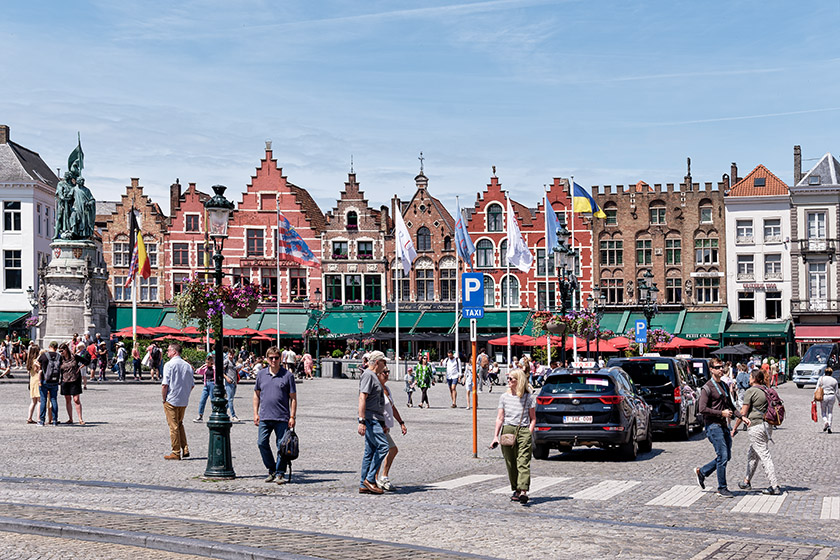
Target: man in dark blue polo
275	408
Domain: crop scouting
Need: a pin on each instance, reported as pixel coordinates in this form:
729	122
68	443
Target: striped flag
291	245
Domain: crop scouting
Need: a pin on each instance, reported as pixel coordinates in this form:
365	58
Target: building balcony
816	246
773	276
745	240
814	306
745	276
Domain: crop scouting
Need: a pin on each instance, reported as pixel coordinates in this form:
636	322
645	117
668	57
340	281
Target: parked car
814	362
669	388
595	408
700	368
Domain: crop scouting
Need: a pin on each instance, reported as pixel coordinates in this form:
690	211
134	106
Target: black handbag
83	358
289	449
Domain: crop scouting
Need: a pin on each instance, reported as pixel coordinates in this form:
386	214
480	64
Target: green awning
436	320
120	317
407	320
703	323
612	322
8	318
758	330
346	323
291	321
498	320
170	319
665	320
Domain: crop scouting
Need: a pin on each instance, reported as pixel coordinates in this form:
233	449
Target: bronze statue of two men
75	208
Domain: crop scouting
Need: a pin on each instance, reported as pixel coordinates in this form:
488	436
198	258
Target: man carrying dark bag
275	408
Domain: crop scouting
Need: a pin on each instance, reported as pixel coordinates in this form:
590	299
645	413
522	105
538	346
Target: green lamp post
219	457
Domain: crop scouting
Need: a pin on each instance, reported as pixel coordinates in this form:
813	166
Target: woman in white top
517	417
391	413
829	387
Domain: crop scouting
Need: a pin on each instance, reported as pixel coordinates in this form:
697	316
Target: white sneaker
234	419
384	483
199	419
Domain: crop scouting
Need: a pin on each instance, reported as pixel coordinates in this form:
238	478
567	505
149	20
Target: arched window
514	291
484	253
494	217
611	210
503	253
489	291
352	220
447	243
424	239
706	216
657	212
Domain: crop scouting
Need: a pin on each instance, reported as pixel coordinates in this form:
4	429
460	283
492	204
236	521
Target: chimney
733	173
383	218
797	164
174	197
4	134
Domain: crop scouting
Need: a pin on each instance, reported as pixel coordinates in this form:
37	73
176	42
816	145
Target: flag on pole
583	202
463	241
552	226
292	246
132	270
76	161
404	245
518	254
144	267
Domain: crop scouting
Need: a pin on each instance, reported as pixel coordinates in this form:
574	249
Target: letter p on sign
473	288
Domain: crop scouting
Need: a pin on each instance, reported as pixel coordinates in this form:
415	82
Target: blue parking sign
472	288
641	331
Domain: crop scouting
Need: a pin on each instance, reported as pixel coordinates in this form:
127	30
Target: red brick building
188	248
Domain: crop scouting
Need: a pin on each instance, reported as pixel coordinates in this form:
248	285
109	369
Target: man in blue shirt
175	389
275	408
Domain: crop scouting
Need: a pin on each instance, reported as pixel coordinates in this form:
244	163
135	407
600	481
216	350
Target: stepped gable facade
116	247
678	234
354	250
432	277
189	250
251	248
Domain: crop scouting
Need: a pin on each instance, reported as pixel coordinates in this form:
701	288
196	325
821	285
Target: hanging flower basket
556	327
199	311
244	312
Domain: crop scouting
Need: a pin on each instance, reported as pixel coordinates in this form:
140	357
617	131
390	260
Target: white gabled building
27	203
758	232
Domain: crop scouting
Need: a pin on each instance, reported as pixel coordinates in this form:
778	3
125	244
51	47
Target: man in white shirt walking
453	374
176	385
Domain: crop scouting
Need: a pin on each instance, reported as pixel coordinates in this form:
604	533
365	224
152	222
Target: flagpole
507	261
457	277
547	208
574	268
277	258
397	321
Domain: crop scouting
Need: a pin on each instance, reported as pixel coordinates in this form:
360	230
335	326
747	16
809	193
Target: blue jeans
121	371
52	391
206	392
722	441
376	448
273	464
230	389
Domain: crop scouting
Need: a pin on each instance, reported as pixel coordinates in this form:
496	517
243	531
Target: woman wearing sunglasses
514	426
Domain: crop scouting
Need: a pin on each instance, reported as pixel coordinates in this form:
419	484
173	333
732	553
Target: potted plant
243	300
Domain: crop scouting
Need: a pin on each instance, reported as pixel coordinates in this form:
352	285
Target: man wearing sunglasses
275	408
372	422
716	408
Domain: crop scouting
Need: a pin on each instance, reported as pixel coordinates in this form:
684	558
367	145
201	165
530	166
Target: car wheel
684	433
800	385
540	451
630	450
646	445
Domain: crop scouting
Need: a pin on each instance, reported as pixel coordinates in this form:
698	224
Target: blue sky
611	92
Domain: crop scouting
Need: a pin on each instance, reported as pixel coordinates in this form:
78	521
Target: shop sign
759	287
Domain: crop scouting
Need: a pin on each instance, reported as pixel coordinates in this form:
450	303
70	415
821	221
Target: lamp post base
219	456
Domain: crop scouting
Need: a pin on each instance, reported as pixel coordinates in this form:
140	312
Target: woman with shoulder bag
71	381
759	432
827	392
514	426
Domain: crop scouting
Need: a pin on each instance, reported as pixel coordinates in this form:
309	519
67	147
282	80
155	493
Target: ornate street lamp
361	324
219	457
647	297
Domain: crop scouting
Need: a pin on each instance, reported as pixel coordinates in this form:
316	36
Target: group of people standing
60	368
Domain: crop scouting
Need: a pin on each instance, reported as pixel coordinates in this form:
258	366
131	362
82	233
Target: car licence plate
577	419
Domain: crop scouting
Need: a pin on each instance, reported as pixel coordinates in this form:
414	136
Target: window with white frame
816	225
12	270
706	214
148	288
191	223
612	253
613	288
673	290
47	220
773	267
489	291
494	217
514	291
746	305
122	256
152	254
744	231
706	251
503	253
817	281
657	214
181	254
11	215
38	207
447	284
254	242
612	216
425	282
746	267
708	290
484	254
121	291
541	262
179	280
673	251
541	296
773	230
644	251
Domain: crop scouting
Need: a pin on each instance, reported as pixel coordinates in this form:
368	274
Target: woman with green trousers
514	425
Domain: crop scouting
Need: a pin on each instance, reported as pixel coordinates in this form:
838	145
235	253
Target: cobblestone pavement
584	503
15	546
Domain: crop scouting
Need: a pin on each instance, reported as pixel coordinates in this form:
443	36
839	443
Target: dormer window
814	180
352	221
759	182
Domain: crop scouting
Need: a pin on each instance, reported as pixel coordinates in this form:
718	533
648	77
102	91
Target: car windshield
564	384
648	373
817	354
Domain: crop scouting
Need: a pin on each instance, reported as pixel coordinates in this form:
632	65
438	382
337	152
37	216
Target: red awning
817	333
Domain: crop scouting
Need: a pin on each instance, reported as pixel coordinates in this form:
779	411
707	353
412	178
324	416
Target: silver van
814	362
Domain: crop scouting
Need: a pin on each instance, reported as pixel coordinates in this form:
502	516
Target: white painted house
27	203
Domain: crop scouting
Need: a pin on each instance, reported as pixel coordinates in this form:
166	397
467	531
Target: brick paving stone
16	546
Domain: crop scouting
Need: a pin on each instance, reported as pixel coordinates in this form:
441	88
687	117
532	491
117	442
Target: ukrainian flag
583	202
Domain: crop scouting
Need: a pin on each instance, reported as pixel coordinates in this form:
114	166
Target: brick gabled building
679	235
251	248
188	248
116	251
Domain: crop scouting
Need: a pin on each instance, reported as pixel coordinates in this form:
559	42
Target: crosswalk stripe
605	490
759	503
830	508
463	481
678	496
537	483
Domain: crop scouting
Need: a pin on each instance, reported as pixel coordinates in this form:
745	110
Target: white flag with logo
405	247
518	254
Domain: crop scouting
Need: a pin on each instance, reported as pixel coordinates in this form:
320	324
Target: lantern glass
218	222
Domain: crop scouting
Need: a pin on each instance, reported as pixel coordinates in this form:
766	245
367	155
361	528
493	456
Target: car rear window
563	384
649	373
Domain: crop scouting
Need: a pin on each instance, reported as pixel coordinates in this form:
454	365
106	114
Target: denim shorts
452	382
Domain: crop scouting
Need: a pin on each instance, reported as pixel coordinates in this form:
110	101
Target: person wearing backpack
756	402
50	377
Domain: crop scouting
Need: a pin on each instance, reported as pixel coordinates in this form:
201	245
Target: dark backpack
775	414
289	449
52	374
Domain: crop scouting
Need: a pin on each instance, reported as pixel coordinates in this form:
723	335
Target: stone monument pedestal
73	297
